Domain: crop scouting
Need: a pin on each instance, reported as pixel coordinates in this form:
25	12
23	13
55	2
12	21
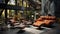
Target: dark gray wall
57	8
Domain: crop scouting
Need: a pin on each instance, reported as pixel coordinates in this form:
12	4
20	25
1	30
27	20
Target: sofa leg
39	28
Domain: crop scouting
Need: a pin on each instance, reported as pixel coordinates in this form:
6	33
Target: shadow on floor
24	32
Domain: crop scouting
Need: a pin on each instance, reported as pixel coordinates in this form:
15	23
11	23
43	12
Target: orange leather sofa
46	20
